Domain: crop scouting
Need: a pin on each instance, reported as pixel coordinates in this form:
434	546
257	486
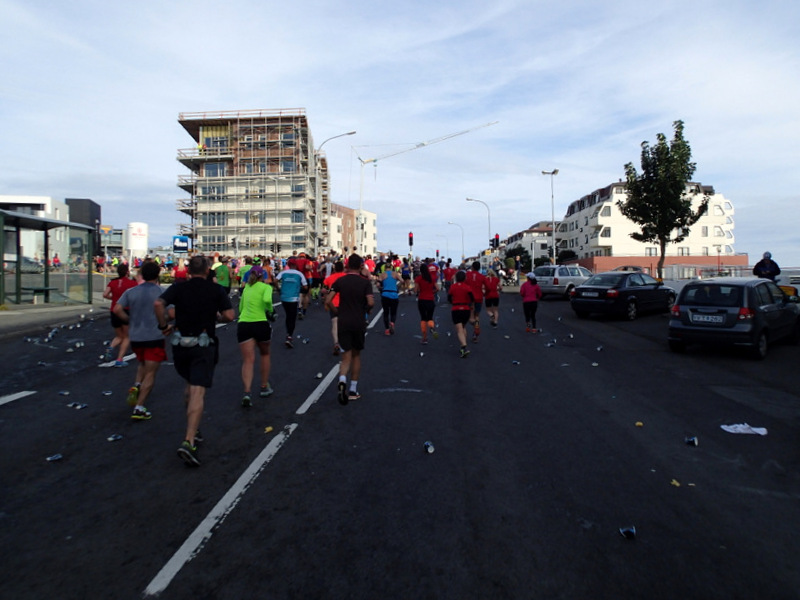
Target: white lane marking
375	320
202	534
317	393
12	397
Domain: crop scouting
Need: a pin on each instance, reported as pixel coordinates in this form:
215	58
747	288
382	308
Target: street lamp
317	194
462	238
552	174
489	212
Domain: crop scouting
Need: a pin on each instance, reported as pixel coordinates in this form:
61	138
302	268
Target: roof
26	221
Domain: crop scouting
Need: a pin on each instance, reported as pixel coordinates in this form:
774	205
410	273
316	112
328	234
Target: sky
90	93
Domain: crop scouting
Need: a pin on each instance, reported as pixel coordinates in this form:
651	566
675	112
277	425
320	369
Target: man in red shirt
476	282
461	300
449	274
303	265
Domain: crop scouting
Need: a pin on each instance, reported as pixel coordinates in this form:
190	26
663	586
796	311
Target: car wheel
581	314
631	310
677	346
568	291
759	351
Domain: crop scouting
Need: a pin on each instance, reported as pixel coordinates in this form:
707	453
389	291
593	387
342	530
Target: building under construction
257	185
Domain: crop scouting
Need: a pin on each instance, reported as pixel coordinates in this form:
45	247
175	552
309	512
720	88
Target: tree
524	257
657	199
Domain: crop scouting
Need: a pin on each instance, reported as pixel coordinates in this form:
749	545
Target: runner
355	301
426	288
389	281
114	290
135	307
223	274
254	331
293	285
198	305
475	281
405	273
531	294
461	300
449	274
303	265
492	298
338	271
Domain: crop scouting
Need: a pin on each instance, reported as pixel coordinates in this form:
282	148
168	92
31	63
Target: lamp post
317	194
552	174
462	238
489	213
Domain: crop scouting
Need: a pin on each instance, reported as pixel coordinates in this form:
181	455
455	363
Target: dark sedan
622	293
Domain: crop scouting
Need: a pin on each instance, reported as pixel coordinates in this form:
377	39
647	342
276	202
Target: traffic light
410	239
437	254
496	240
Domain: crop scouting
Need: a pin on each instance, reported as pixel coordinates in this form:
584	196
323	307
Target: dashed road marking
12	397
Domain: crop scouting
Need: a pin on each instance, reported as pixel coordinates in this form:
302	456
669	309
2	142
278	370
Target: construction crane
374	161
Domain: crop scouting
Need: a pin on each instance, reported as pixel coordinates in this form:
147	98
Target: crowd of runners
204	291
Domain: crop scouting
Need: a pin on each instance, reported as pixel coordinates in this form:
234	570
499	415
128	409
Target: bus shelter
29	272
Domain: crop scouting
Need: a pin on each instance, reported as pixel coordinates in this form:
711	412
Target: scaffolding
256	185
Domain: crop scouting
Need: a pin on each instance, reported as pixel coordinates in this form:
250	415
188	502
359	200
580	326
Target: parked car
630	268
623	293
560	279
28	265
737	311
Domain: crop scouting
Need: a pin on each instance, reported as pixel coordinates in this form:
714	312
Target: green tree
524	257
657	198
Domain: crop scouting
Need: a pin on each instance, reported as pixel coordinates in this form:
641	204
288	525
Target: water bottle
203	340
429	447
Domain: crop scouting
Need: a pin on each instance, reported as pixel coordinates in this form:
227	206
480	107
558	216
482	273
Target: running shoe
301	316
198	437
528	330
464	352
140	413
288	342
188	454
387	332
266	391
109	355
424	341
133	395
353	396
474	339
337	350
246	401
342	393
120	363
435	334
391	328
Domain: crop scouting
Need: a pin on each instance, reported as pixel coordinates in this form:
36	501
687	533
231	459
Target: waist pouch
186	341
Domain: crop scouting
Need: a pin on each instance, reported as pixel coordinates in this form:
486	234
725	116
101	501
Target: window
215	170
213	219
606	212
606	233
287	140
718	210
704	231
718	232
287	166
728	206
298	216
213	193
683	251
704	251
298	187
651	251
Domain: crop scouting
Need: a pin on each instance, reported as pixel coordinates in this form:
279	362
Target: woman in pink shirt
531	293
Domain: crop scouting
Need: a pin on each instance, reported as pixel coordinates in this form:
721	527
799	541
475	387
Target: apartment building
256	184
595	226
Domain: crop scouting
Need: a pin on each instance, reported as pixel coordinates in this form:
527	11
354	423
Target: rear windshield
544	271
606	279
712	295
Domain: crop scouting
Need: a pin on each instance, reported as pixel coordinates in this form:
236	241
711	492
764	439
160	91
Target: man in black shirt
198	305
355	301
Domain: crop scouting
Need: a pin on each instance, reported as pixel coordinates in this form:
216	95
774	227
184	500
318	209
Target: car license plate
591	294
708	318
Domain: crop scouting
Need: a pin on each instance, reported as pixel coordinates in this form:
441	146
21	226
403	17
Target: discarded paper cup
629	533
691	441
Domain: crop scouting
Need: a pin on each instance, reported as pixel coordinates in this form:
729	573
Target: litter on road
744	428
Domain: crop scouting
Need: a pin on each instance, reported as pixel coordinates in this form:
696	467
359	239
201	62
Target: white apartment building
537	239
594	226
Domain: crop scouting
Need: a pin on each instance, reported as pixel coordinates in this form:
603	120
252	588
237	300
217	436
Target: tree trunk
663	244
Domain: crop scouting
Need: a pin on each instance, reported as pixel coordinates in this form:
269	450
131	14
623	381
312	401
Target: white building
594	226
32	242
537	239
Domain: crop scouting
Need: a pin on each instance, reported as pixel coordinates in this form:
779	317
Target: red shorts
149	352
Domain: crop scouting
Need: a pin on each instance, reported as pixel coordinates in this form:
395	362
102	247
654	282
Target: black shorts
351	340
196	364
260	331
461	317
116	321
491	302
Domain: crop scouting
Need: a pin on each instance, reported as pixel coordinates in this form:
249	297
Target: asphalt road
537	466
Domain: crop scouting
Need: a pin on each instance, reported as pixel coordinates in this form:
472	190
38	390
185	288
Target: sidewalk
32	319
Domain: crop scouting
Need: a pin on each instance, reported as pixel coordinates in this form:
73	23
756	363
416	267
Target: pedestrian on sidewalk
114	290
356	299
198	304
531	294
135	307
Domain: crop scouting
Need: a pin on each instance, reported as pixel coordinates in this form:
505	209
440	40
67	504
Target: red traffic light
410	238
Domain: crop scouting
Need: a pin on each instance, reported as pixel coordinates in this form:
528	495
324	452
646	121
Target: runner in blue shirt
292	283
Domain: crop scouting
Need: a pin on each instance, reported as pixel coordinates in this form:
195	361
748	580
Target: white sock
353	386
342	378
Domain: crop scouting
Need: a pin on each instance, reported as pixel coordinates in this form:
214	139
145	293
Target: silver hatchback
737	311
560	279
